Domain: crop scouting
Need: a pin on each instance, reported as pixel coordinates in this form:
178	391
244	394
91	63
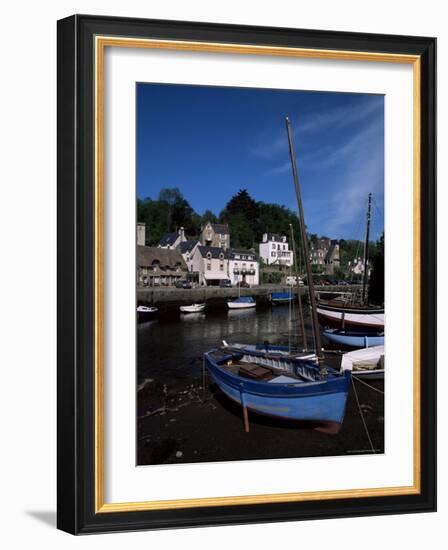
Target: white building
274	249
187	250
243	267
357	267
211	263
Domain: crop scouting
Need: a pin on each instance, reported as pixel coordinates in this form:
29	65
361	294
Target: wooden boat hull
361	319
353	339
321	402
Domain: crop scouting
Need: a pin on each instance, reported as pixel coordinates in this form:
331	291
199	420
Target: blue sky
212	141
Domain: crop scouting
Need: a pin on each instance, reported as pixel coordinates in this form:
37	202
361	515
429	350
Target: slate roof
187	246
249	253
329	255
274	237
168	239
221	228
215	251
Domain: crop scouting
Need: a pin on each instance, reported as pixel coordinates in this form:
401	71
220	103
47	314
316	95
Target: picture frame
82	40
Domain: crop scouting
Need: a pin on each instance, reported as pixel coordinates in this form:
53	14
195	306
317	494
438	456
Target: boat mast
306	253
299	298
366	252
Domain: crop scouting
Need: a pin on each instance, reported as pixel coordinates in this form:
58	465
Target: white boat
243	302
355	318
144	311
194	308
365	363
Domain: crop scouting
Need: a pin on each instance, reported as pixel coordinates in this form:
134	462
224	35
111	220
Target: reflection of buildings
274	249
325	253
159	266
215	234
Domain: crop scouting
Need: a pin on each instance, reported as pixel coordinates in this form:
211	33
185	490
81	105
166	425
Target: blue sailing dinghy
355	339
281	387
281	297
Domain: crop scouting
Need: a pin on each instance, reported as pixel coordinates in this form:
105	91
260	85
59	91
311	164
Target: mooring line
362	417
368	385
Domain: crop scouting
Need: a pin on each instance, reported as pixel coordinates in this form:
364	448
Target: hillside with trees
247	218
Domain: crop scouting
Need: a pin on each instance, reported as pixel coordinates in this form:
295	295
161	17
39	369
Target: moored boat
144	312
292	389
351	317
281	297
193	308
364	363
355	339
243	302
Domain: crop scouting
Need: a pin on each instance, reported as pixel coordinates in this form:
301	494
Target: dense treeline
247	218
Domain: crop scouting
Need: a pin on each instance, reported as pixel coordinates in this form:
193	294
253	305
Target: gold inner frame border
101	42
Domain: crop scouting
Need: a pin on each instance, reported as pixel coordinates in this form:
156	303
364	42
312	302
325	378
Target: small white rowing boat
365	363
194	308
243	302
147	310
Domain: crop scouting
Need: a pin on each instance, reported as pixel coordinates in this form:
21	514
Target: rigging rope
362	417
369	386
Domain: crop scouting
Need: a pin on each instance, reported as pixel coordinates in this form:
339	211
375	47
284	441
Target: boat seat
255	372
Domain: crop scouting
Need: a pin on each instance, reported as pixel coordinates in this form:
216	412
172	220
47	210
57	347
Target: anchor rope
369	386
362	417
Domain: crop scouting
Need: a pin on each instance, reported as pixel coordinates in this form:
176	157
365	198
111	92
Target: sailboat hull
321	402
354	339
353	319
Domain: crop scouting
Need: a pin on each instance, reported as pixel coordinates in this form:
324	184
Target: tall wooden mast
299	298
366	252
309	275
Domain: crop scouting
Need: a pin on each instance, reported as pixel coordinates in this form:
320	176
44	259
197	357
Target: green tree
208	216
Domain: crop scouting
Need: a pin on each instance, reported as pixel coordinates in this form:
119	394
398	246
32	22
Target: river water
183	417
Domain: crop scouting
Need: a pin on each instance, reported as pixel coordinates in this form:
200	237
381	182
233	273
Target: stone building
325	253
215	235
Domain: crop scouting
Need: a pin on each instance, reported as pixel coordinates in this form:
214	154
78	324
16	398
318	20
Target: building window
209	267
221	267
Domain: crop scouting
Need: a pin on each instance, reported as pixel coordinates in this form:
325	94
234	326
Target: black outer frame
75	403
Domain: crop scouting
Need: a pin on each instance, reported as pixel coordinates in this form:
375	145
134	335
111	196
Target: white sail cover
363	359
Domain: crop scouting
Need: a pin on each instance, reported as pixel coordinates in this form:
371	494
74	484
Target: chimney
182	235
265	237
141	234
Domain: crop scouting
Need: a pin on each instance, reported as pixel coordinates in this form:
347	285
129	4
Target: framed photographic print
246	274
